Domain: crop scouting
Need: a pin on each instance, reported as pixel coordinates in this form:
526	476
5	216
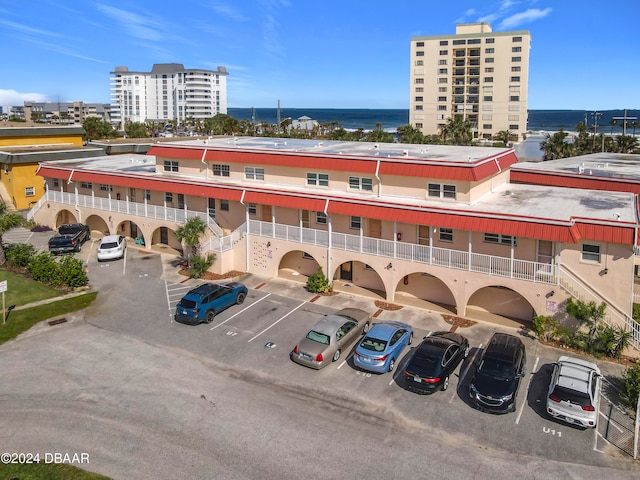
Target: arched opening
497	303
65	216
131	230
359	278
298	266
425	291
164	240
97	225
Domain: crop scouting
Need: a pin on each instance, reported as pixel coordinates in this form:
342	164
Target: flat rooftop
612	165
420	152
521	201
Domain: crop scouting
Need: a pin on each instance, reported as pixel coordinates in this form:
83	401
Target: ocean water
390	119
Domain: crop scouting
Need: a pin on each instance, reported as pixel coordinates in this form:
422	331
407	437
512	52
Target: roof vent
405	153
507	193
375	145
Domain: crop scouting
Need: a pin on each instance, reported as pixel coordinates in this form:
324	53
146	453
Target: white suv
574	392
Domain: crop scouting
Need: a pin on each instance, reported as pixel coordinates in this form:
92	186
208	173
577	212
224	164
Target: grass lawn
22	290
20	320
46	471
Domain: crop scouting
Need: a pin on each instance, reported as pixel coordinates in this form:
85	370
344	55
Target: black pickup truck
70	238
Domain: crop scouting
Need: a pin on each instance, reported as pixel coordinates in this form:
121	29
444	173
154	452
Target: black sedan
434	360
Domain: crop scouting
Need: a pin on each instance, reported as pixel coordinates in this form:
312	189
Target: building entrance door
346	271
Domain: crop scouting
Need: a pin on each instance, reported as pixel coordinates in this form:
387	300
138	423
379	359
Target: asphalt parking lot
138	296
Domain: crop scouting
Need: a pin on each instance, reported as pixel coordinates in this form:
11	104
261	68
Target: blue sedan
382	346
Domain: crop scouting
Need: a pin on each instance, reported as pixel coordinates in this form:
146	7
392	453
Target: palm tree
8	220
503	136
457	131
554	146
190	234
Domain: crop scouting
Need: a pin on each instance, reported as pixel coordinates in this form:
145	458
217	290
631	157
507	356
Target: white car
111	247
574	392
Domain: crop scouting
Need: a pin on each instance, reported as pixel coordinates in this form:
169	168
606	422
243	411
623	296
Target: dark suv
495	383
203	303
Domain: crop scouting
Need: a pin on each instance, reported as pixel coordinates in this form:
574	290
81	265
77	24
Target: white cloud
138	26
14	99
523	17
229	12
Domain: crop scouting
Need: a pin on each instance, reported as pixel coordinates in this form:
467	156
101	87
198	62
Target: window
56	182
487	126
361	183
419	89
168	197
489	40
515	79
514	118
147	194
516	59
442	108
420	44
419	99
488	69
500	239
368	267
442	89
253	209
488	79
221	170
459	42
419	63
442	80
514	126
253	173
442	99
106	188
444	43
321	218
444	52
442	61
488	60
306	256
419	125
419	107
441	191
446	235
170	165
514	98
419	81
473	41
29	191
516	39
516	49
224	205
318	179
489	50
487	98
87	185
419	54
442	71
355	223
516	69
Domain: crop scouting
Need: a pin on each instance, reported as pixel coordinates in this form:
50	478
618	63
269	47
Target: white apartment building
477	74
168	92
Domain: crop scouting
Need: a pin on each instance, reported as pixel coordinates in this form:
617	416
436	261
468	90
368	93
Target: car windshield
572	396
318	337
108	245
184	303
496	369
373	344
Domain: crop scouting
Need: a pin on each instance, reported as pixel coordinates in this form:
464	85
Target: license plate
305	356
417	379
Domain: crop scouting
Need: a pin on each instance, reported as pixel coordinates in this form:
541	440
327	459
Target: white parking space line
166	289
238	313
276	322
526	393
392	380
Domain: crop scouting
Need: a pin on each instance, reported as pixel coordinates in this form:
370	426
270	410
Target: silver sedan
330	336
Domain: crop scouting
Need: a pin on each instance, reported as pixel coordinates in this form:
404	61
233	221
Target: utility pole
595	116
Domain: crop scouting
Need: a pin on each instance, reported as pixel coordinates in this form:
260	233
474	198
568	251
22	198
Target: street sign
3	286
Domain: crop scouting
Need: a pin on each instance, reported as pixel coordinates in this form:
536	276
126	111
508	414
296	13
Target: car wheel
410	338
210	316
240	298
336	356
392	364
466	352
445	384
366	327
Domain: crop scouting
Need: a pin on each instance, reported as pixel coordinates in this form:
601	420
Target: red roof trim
575	181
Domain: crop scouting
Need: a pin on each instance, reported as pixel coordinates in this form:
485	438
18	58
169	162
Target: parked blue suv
205	301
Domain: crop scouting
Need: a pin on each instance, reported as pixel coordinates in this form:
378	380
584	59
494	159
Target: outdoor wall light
389	266
268	244
605	271
550	294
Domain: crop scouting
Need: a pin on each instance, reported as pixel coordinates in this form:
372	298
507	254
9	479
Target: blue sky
310	53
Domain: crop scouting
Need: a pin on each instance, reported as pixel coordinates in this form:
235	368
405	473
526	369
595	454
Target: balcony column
246	237
513	251
145	203
273	221
126	199
93	197
395	239
328	272
431	230
470	251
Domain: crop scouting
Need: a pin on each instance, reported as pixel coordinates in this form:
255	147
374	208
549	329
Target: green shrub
318	283
631	386
200	265
44	268
636	312
545	327
20	254
72	272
